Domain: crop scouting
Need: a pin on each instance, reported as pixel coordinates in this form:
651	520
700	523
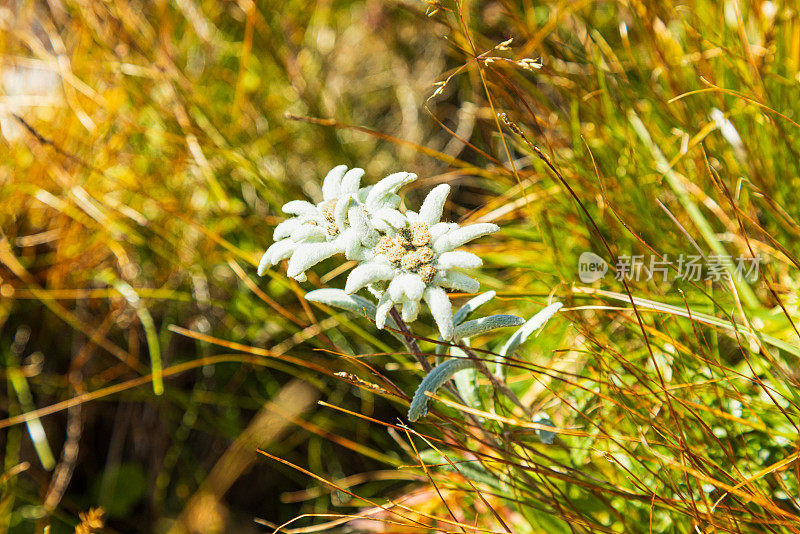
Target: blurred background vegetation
147	148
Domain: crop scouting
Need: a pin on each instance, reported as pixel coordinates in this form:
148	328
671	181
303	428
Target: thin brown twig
409	340
497	384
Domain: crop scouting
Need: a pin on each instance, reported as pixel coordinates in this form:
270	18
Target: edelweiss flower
341	223
418	259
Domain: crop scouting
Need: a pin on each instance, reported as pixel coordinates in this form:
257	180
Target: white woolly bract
300	207
285	228
353	246
458	258
391	216
367	273
410	310
459	282
387	186
455	238
439	304
361	225
485	324
384	307
340	212
432	206
439	229
406	286
265	262
331	185
275	253
309	254
350	181
388	201
308	232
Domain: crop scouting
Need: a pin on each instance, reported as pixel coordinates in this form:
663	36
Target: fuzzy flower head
341	223
415	260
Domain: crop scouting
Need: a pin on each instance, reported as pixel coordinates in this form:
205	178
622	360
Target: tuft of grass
147	150
674	401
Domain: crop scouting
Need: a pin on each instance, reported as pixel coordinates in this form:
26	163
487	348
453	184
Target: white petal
360	225
300	207
363	193
382	226
371	239
391	216
406	286
309	232
377	290
388	201
396	288
264	264
331	185
351	180
456	238
439	229
367	273
276	252
340	212
459	281
458	258
431	210
388	185
358	222
410	310
439	304
309	254
352	244
384	306
286	228
383	260
413	286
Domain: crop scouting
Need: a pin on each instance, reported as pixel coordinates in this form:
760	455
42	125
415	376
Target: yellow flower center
420	234
410	251
426	272
327	210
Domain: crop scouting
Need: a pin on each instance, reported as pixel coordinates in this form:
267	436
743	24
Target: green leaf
486	324
432	382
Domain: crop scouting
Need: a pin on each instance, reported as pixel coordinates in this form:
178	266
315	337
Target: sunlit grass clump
640	162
